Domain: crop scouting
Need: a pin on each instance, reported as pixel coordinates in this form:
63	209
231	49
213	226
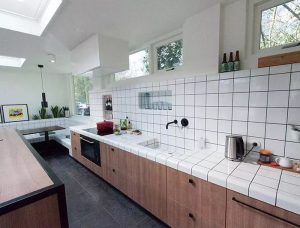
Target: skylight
27	16
11	61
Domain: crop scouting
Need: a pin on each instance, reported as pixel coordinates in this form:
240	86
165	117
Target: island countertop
20	172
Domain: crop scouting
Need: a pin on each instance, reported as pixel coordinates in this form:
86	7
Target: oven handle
86	140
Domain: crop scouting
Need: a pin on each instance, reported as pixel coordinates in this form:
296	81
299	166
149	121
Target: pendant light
44	102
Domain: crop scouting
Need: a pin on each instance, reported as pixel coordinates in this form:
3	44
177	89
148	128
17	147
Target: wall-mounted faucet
173	122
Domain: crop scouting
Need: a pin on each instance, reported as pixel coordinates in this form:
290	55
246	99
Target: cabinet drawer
183	188
243	211
179	216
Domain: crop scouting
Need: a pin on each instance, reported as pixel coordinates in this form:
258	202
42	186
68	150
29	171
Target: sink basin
154	144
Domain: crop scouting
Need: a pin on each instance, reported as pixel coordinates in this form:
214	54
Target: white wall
18	87
201	35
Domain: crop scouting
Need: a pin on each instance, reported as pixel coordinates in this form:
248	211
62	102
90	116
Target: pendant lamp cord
42	80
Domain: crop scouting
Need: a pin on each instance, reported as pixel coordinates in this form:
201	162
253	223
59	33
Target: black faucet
173	122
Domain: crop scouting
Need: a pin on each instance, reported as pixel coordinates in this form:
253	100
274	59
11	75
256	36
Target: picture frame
15	113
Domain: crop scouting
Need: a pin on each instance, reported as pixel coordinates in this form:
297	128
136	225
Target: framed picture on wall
15	113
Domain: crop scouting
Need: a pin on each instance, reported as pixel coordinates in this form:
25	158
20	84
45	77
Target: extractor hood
107	54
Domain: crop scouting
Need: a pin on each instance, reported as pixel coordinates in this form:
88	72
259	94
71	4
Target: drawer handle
114	170
191	181
263	212
112	149
191	216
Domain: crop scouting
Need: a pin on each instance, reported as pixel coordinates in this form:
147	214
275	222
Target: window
169	55
280	24
138	66
82	87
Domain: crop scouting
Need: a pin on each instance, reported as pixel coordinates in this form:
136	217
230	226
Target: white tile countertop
270	185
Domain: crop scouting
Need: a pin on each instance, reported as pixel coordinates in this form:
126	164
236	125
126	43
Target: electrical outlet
252	142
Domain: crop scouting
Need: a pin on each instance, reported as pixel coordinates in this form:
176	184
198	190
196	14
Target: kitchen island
30	193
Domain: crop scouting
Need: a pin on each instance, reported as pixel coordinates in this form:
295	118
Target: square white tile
292	150
266	181
258	99
225	99
200	87
224	126
226	75
295	80
263	193
293	116
238	185
275	146
189	100
277	115
275	131
212	112
260	71
189	88
256	129
239	127
240	99
242	73
212	86
240	113
259	83
280	69
226	86
295	99
278	99
241	84
257	114
212	99
279	82
200	100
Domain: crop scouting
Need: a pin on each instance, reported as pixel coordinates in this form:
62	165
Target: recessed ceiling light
11	61
51	58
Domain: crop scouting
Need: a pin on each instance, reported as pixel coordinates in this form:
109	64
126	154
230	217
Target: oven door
90	149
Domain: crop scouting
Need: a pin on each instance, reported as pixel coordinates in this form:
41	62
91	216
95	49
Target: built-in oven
90	149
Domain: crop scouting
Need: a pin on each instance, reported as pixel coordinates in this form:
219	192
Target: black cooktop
95	131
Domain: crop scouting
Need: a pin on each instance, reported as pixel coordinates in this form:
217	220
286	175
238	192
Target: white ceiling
25	8
137	21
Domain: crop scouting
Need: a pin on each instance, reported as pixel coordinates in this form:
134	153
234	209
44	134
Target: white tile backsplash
257	103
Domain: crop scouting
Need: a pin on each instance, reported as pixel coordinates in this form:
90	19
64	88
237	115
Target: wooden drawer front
244	212
183	188
181	217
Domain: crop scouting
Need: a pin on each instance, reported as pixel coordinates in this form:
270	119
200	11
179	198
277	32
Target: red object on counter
274	164
105	127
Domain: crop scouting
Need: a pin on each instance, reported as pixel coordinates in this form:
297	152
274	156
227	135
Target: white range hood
106	54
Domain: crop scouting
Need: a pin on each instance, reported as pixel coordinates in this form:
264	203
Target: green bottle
230	62
224	65
237	63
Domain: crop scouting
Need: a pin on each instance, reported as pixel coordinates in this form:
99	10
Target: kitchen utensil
234	147
284	162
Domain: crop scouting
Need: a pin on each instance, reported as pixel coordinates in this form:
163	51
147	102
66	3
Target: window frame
160	43
133	52
260	6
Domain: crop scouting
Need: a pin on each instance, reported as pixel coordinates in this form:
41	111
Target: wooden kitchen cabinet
193	202
244	212
152	187
76	148
110	163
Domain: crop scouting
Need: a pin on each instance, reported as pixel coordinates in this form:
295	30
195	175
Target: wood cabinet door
183	188
245	212
152	187
110	163
211	208
76	147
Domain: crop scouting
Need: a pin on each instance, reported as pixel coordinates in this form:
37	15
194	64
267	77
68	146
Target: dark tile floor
91	201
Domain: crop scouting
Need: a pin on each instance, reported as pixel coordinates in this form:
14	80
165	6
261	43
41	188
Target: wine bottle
230	62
